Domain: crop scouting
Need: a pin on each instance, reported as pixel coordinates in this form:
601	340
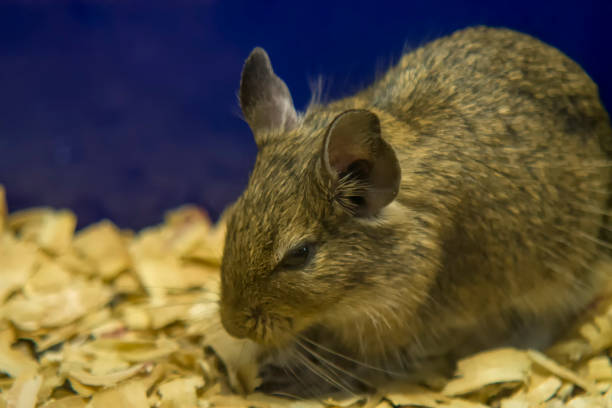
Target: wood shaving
109	318
544	391
489	367
561	372
104	247
14	362
130	395
23	393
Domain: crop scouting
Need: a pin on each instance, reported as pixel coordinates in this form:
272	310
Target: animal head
303	237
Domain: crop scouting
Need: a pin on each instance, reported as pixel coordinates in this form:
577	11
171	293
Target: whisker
320	372
564	274
571	246
288	367
592	190
604	226
592	210
331	364
588	237
347	358
376	328
284	394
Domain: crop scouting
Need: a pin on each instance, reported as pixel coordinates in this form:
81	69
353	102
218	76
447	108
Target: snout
233	322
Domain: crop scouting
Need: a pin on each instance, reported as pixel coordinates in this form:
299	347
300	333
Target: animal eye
297	257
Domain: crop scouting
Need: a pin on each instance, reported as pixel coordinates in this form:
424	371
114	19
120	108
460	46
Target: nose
232	323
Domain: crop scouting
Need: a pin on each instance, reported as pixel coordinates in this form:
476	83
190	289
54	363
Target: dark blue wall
123	109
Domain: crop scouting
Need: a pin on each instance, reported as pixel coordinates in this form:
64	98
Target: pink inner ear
340	161
345	148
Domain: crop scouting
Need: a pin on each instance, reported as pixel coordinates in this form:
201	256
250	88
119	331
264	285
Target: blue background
123	109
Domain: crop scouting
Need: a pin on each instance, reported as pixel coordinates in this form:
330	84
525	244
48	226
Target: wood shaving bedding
109	318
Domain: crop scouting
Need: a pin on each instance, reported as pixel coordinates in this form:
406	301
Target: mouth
271	330
266	329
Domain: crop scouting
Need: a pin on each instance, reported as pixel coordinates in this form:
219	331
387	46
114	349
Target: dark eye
297	257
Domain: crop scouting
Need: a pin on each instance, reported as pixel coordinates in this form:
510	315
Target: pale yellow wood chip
175	309
52	379
104	380
598	333
383	404
136	317
515	403
130	395
150	243
194	237
261	401
104	246
186	234
346	401
28	221
210	249
181	392
411	394
603	387
13	362
239	356
127	283
91	320
565	373
566	390
82	389
50	277
375	401
6	383
23	392
134	350
553	403
68	402
58	308
229	401
461	403
56	231
608	395
187	237
599	368
76	263
489	367
194	306
160	276
588	402
18	260
111	328
186	214
104	364
544	390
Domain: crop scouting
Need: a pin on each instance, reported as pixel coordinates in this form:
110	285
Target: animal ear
264	98
363	167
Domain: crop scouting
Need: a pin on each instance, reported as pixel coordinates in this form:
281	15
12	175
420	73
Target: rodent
457	203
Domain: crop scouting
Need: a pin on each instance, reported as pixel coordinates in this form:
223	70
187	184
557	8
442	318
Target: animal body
459	202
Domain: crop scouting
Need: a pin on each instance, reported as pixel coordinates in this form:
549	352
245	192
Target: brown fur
503	147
